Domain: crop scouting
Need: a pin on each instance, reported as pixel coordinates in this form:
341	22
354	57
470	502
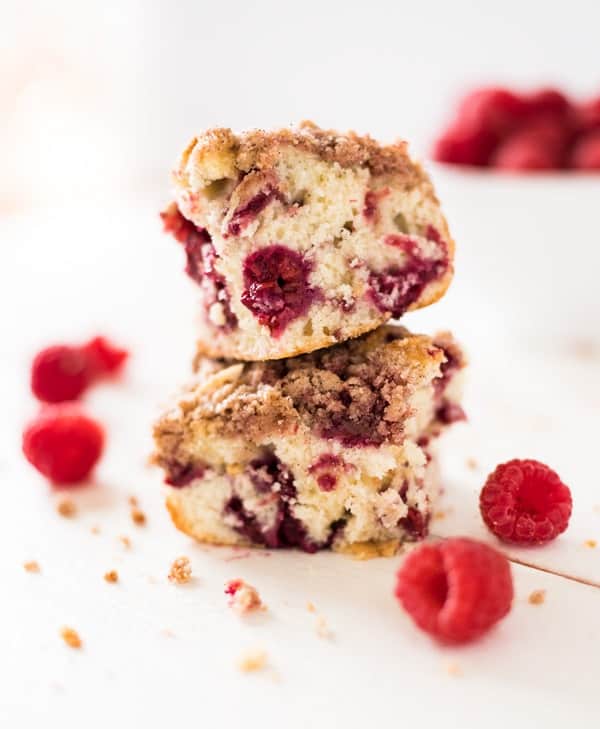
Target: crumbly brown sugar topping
259	149
357	392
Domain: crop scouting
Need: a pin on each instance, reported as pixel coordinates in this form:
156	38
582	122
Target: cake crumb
111	576
95	529
66	508
243	598
137	516
537	597
133	501
322	628
454	670
31	566
125	541
591	543
252	660
310	607
472	464
71	637
181	571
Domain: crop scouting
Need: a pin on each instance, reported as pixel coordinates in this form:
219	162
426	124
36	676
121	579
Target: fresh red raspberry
525	151
484	117
104	358
455	590
59	373
547	101
63	372
588	115
585	155
462	146
63	444
494	109
525	502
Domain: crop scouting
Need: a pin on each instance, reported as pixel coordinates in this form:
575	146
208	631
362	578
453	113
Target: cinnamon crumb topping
181	571
322	628
454	670
537	597
71	637
137	516
252	660
357	391
31	566
66	508
112	576
244	598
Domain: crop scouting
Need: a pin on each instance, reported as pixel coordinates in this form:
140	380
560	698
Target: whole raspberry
104	358
525	151
63	444
460	145
525	502
63	372
588	115
484	117
548	101
586	153
59	373
494	109
455	590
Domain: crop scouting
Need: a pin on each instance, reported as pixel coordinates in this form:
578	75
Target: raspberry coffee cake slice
326	450
303	238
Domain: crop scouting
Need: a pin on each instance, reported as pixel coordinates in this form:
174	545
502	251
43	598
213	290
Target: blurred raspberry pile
541	130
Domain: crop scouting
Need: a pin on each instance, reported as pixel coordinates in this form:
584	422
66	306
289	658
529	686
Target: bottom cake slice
331	449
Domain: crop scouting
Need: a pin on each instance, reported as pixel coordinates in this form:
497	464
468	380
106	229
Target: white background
102	95
96	99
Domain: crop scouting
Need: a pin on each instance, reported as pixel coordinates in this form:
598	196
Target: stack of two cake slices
310	421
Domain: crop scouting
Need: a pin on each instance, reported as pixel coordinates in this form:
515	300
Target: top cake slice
302	238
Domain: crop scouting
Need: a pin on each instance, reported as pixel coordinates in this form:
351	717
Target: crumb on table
137	516
71	637
133	501
66	508
310	607
537	597
591	543
31	566
111	576
252	660
181	571
454	670
472	464
125	541
322	628
243	598
95	529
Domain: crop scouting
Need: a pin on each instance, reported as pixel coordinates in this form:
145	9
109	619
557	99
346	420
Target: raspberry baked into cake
332	449
303	238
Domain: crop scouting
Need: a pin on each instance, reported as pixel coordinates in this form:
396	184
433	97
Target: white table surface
59	279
